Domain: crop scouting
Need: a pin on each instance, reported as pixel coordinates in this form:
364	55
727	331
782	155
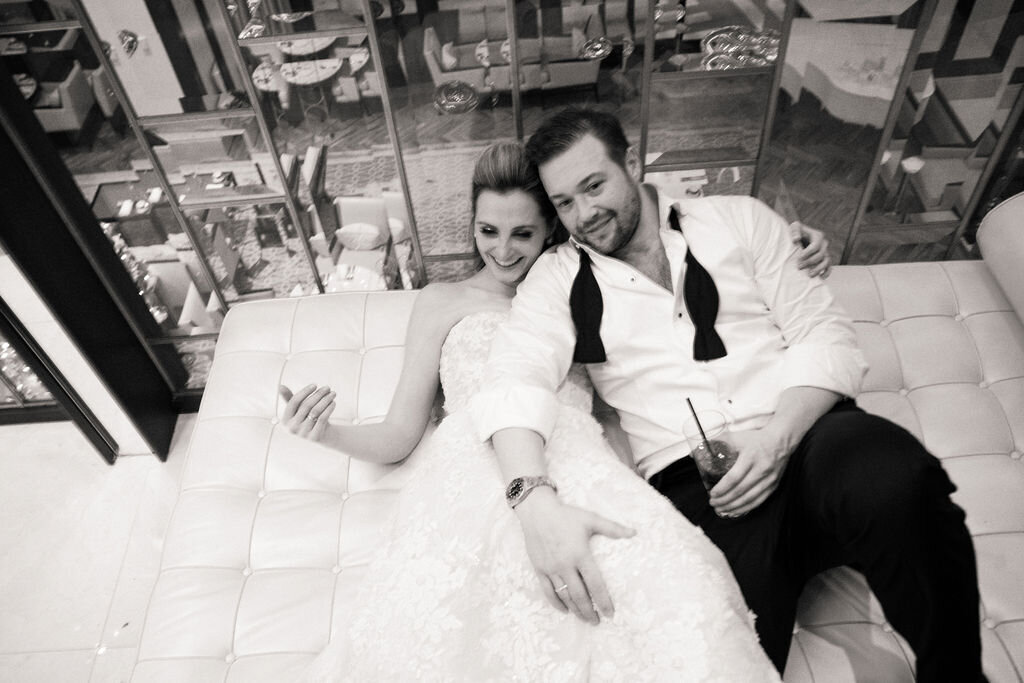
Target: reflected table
305	46
313	75
141	212
855	84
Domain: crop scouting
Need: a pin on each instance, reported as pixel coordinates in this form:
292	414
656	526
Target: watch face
514	489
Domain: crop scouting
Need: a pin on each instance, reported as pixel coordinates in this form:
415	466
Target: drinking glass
711	445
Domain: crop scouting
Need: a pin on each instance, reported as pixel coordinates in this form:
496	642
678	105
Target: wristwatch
520	487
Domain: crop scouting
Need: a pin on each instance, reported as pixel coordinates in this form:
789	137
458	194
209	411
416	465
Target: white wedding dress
451	594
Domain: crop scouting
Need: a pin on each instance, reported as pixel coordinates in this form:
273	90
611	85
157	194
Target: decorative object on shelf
224	179
397	7
678	11
482	54
455	97
12	46
376	9
26	84
20	375
735	47
255	28
596	48
145	283
290	17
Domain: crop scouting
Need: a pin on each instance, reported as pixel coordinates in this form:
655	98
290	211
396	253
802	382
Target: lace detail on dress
450	594
464	358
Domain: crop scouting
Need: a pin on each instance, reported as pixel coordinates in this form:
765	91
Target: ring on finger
561	588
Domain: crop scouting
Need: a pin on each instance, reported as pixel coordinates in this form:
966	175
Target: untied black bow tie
699	293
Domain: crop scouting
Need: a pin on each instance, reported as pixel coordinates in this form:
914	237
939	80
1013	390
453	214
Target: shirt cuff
523	407
835	368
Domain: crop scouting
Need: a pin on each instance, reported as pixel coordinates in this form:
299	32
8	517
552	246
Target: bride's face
509	231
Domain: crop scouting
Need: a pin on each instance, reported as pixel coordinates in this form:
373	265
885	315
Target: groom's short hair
564	129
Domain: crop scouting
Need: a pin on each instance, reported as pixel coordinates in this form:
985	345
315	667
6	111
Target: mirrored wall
233	150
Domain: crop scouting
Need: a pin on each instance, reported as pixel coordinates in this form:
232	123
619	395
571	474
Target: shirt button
679	315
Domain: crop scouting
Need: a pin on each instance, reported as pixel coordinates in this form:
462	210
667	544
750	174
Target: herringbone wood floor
823	161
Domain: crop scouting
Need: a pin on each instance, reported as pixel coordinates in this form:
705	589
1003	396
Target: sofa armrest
1001	240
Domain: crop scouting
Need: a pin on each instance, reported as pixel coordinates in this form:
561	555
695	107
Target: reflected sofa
271	534
546	62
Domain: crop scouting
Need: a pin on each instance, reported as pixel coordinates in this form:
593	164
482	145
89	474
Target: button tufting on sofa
271	534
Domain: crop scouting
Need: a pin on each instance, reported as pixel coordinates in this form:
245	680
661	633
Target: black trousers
863	492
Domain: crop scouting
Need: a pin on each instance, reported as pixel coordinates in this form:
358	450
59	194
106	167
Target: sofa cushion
363	236
271	533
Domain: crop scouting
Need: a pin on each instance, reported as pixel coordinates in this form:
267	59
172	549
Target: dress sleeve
530	355
821	344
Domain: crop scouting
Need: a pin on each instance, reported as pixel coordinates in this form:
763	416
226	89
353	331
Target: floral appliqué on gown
451	594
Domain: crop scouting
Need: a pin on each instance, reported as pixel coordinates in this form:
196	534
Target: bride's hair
503	168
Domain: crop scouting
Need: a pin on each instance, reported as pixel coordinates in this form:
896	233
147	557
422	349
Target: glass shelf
264	28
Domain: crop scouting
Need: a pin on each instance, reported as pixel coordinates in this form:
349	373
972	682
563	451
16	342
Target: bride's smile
509	232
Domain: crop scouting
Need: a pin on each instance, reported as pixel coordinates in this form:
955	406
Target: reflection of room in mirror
956	108
19	383
726	180
838	83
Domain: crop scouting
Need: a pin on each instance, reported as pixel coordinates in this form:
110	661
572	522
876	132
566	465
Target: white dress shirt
781	328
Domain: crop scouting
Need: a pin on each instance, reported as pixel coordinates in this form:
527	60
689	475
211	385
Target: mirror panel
170	57
956	107
451	95
708	120
832	107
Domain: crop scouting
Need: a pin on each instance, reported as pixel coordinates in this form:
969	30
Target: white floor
80	543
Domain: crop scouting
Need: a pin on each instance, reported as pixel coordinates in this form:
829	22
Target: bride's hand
558	543
307	411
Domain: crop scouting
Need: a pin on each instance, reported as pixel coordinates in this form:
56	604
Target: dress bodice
464	357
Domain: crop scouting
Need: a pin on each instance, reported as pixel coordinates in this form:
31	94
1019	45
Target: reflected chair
314	172
75	98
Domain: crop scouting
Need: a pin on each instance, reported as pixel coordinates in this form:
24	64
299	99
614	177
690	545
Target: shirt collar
665	206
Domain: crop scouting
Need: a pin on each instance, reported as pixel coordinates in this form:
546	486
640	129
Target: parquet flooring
823	161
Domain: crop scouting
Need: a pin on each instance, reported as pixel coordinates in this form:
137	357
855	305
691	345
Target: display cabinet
23	396
219	187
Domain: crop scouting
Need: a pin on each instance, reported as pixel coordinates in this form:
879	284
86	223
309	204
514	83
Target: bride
451	593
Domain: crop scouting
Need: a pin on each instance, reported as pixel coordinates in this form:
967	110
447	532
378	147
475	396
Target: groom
702	299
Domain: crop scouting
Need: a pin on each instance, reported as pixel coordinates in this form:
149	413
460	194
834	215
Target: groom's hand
761	459
558	543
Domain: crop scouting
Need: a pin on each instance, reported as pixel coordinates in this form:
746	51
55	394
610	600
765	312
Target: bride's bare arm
434	313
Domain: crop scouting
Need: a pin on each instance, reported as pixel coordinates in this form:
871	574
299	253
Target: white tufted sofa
271	534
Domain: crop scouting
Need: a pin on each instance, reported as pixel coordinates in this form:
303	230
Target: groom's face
598	201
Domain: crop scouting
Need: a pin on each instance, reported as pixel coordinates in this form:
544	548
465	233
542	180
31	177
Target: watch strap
520	487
